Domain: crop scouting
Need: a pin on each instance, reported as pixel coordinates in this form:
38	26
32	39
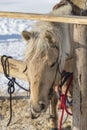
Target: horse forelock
38	44
36	47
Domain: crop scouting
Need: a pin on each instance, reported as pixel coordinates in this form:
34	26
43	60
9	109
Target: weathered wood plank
80	79
43	17
16	69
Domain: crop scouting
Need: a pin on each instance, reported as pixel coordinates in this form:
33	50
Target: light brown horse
48	47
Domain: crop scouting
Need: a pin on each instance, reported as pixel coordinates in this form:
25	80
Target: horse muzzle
34	115
37	110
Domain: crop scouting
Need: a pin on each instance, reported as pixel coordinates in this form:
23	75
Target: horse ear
26	35
50	37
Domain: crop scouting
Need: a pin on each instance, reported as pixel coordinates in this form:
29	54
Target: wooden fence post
80	79
80	73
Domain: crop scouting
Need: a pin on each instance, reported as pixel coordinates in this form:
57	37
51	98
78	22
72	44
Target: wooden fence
44	17
17	67
80	80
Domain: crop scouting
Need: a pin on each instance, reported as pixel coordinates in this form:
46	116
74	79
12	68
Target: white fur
63	10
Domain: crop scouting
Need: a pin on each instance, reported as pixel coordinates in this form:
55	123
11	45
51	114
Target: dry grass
22	119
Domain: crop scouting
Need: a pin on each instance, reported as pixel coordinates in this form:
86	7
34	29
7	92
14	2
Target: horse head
48	46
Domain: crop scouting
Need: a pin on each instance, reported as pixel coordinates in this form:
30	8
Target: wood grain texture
80	79
16	69
43	17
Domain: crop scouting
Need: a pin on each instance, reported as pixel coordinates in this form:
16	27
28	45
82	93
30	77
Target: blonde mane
38	44
36	47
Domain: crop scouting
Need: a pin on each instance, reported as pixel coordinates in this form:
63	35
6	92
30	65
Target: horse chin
34	115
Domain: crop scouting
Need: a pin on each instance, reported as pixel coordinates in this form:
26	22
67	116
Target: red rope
63	102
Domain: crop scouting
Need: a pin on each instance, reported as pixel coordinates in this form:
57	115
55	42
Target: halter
57	70
66	76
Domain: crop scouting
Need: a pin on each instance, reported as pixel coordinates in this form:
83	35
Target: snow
11	42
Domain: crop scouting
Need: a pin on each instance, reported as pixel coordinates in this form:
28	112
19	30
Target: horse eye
51	66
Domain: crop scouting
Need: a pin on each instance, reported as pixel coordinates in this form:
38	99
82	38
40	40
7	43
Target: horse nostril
42	106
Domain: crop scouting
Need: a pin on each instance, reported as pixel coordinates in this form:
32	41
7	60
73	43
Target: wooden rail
16	69
43	17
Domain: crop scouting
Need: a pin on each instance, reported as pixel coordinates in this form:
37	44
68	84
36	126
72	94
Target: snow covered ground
11	43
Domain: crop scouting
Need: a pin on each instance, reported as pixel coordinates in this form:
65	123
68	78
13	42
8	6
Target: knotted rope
11	81
63	97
